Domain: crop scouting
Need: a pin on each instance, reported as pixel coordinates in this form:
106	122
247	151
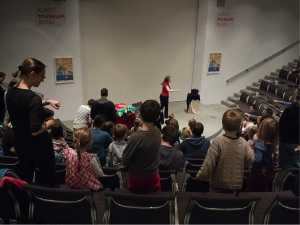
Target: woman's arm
170	90
53	103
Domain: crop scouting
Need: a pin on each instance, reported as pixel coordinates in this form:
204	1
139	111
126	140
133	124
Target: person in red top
164	96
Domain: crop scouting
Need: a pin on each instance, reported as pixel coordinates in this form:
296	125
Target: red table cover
127	118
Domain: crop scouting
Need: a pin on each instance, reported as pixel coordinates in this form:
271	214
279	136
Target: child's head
150	111
136	124
98	121
57	131
198	129
12	82
108	127
120	131
192	123
268	131
174	123
169	134
231	120
90	102
252	130
170	117
186	132
82	138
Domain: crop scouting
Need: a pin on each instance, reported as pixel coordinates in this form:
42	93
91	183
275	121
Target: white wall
129	46
261	29
21	38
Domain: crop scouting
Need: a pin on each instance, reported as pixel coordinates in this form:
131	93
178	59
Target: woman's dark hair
2	74
57	131
91	102
12	83
167	79
136	125
29	65
99	121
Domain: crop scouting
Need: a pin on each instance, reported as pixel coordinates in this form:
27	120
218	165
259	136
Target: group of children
148	149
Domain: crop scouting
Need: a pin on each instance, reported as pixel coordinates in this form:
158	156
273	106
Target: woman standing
164	96
33	144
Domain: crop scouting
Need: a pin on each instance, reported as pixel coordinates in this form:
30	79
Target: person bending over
82	168
141	154
83	118
227	157
59	142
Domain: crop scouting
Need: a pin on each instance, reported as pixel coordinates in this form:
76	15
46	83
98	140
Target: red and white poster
51	16
225	19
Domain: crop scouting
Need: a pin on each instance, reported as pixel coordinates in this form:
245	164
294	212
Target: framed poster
63	68
214	64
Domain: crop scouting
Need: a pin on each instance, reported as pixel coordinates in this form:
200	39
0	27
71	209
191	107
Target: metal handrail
5	85
262	62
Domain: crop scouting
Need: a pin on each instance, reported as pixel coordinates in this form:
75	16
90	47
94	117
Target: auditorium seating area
182	200
278	86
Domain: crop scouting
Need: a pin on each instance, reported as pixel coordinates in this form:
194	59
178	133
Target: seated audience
195	146
136	126
263	168
59	142
192	123
141	154
170	117
101	139
105	107
252	131
227	157
174	123
252	112
186	132
82	168
170	157
116	148
289	134
109	128
83	118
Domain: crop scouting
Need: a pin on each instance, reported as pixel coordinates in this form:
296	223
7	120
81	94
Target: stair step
296	60
256	84
248	92
287	68
276	74
278	70
251	88
292	64
270	77
230	98
228	103
270	81
238	95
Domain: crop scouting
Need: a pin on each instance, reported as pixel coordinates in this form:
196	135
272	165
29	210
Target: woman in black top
2	91
33	144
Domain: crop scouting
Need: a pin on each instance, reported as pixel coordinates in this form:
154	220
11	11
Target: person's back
83	118
142	152
227	157
170	157
195	146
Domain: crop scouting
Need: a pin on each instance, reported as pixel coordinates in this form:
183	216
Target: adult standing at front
164	96
105	107
289	135
2	91
33	143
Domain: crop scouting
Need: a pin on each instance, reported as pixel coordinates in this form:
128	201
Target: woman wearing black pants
164	96
33	144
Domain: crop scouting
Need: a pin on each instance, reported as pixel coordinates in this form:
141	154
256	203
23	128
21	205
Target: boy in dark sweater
142	152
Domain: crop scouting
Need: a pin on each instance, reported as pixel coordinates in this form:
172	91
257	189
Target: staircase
250	90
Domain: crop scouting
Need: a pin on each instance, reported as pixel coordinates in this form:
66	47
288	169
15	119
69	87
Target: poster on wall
214	63
51	16
63	68
225	19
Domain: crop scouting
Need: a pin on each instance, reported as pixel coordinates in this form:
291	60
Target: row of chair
289	79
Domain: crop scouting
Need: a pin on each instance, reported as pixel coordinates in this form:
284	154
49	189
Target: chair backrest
60	173
244	97
127	208
48	205
283	210
280	92
288	182
287	97
272	88
251	100
190	184
261	109
10	162
168	180
217	208
283	74
264	85
258	104
293	77
14	202
113	178
192	164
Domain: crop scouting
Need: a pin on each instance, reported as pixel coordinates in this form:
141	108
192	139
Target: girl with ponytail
83	169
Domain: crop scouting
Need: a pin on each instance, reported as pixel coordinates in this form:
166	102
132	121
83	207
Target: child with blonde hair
186	132
192	123
82	168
